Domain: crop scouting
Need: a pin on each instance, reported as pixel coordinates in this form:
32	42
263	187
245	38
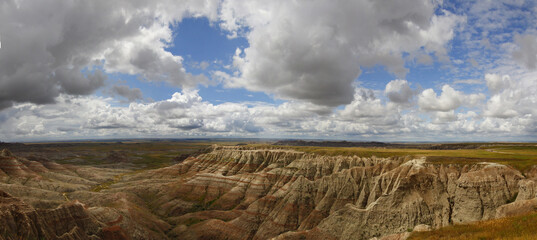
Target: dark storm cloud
46	44
72	81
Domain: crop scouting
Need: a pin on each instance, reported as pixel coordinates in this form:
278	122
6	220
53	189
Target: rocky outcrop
248	193
422	193
516	208
69	221
291	193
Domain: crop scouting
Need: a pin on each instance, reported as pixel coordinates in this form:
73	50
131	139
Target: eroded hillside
244	192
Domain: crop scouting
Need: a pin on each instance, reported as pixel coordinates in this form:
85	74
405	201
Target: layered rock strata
250	193
69	221
286	193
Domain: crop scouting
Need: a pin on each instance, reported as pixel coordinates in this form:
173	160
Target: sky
361	70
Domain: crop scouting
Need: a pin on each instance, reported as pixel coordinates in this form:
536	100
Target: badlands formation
243	192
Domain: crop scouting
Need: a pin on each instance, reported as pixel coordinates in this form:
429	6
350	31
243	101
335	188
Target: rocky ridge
248	193
287	194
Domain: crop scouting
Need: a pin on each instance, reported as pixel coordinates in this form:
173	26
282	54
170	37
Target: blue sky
414	70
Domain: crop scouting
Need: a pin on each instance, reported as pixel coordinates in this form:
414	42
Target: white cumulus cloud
449	99
313	50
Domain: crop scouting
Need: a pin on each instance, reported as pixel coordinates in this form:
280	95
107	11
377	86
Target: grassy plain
141	154
518	155
153	154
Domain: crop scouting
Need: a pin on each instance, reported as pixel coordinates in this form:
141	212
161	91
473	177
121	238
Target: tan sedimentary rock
527	189
422	228
248	193
367	200
517	208
69	221
428	194
11	166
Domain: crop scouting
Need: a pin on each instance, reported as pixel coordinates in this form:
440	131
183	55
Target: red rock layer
12	167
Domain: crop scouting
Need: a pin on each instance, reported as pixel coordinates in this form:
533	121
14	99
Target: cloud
399	91
442	117
425	59
367	113
509	113
52	47
313	50
496	83
449	99
309	53
526	55
473	62
468	81
499	107
365	105
458	61
131	94
73	82
514	97
201	65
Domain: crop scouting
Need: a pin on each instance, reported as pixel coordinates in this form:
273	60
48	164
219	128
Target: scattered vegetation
106	185
519	227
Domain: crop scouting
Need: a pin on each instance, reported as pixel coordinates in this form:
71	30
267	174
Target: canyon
254	192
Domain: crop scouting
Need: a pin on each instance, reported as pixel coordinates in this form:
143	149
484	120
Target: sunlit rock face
287	194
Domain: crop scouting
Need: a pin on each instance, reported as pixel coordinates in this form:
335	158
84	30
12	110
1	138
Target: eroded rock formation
248	193
68	221
291	194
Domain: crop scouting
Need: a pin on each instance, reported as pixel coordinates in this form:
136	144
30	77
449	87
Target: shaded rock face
69	221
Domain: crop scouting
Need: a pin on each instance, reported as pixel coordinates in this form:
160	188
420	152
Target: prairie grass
518	227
